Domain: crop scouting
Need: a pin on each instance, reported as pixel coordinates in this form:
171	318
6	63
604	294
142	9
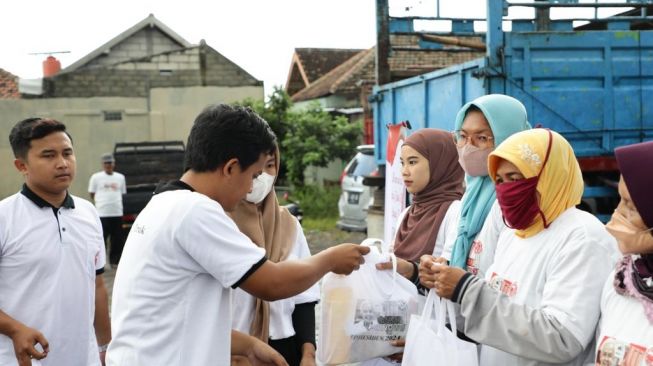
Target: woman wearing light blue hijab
481	125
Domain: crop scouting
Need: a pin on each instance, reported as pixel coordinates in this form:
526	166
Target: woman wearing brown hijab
287	325
434	178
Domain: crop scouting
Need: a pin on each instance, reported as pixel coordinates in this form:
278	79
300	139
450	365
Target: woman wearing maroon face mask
539	301
627	301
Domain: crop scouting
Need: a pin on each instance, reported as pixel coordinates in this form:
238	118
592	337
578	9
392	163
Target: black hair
222	132
34	128
473	108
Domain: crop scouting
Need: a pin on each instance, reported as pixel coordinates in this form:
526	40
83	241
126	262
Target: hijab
560	184
634	274
417	232
273	228
506	116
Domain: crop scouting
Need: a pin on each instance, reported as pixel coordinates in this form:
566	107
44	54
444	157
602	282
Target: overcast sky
258	35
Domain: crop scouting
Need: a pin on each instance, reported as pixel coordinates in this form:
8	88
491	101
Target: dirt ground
320	240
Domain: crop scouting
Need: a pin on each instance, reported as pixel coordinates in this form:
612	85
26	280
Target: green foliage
306	137
274	111
318	202
315	137
320	224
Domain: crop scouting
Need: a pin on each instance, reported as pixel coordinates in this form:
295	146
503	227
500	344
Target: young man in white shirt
52	294
172	292
106	189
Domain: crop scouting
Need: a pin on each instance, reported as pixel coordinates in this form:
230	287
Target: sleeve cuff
303	319
415	277
256	266
461	286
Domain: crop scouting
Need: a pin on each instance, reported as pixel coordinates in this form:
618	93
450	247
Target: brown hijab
419	228
273	228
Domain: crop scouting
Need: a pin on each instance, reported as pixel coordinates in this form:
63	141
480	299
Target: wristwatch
103	348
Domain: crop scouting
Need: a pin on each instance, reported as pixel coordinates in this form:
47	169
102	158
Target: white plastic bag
429	342
363	312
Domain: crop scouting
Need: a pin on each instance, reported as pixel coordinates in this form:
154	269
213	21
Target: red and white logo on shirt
474	258
613	352
502	285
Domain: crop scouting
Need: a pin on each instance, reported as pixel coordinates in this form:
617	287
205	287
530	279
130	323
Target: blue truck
591	83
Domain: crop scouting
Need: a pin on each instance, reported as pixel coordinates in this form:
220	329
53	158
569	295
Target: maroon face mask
518	199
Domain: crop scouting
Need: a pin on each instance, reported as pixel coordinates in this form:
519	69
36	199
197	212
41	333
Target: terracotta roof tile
407	60
318	61
8	85
339	78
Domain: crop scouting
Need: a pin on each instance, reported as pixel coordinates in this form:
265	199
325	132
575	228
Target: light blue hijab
506	116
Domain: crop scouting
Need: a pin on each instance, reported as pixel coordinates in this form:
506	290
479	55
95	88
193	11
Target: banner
395	192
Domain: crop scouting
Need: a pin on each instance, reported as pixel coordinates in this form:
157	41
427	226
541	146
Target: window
110	116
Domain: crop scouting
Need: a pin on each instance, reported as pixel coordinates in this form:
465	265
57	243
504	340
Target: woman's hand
426	275
404	267
308	355
397	357
445	279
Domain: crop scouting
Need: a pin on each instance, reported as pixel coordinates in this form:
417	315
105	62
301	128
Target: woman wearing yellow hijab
539	301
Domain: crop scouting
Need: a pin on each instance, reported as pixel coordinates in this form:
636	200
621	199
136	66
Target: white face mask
262	186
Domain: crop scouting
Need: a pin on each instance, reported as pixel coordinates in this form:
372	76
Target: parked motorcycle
293	207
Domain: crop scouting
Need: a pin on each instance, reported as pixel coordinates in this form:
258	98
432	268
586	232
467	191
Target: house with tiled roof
346	87
309	64
145	56
146	84
8	85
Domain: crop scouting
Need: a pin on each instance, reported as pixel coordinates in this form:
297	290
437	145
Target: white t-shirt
447	231
560	271
481	254
172	292
48	267
625	335
281	310
108	190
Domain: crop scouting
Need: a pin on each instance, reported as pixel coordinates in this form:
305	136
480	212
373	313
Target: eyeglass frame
474	137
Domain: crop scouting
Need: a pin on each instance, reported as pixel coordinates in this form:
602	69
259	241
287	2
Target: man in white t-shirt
53	302
172	293
106	189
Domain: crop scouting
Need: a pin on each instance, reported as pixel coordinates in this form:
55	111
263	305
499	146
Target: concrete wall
136	77
326	175
146	42
167	114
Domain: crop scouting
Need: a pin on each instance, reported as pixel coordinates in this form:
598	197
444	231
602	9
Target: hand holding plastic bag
361	313
430	342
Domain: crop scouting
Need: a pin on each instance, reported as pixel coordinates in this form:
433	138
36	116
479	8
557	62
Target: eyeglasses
461	138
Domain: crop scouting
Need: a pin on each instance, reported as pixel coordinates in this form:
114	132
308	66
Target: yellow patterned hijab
560	185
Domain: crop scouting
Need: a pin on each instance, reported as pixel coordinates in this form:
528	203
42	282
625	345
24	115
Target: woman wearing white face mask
287	325
626	328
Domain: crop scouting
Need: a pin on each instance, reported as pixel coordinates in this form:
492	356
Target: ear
229	168
21	165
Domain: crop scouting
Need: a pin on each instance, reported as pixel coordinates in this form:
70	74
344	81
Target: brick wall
220	71
144	43
135	78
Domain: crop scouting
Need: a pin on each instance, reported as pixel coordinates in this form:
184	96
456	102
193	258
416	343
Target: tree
315	138
274	111
307	137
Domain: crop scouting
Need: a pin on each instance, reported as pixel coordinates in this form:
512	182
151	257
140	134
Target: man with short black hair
51	258
172	292
106	189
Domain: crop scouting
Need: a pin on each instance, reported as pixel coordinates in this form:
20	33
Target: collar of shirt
67	202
